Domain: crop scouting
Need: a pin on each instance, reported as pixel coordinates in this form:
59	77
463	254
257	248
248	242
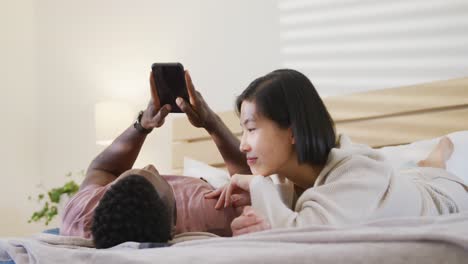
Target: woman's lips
251	161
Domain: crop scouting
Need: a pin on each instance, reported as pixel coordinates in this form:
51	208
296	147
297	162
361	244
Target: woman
288	131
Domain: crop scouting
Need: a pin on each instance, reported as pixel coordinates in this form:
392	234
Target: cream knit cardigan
357	185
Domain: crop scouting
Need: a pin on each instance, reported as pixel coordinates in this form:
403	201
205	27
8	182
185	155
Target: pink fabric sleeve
78	213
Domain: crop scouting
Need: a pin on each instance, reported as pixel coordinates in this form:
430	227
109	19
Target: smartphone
170	83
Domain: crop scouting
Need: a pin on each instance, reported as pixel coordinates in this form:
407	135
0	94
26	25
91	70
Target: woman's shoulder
346	147
348	151
354	161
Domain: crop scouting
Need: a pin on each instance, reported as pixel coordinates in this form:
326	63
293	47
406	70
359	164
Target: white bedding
442	239
400	156
409	240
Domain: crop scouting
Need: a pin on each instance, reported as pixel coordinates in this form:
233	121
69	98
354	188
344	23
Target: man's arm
122	153
115	159
200	115
228	145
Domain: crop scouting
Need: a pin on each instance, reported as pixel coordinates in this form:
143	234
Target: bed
388	119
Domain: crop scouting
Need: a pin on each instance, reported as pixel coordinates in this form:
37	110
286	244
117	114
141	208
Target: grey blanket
442	239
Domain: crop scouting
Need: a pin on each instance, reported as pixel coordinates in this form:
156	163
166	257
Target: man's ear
291	136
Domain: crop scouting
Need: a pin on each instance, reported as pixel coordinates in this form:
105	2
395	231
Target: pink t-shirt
194	212
78	213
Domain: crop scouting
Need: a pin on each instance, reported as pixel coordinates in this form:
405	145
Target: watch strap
137	125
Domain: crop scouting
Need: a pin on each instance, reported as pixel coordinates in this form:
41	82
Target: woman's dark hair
288	98
131	210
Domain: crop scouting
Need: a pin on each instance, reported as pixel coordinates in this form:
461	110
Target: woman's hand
197	110
238	199
239	182
248	222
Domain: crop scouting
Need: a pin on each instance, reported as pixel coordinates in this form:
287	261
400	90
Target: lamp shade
111	119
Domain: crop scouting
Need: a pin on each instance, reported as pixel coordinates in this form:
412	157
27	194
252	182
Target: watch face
140	115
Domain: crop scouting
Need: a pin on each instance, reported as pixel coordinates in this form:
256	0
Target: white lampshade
111	119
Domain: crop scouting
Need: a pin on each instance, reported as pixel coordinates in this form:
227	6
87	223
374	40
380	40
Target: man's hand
197	110
154	115
200	115
249	222
154	118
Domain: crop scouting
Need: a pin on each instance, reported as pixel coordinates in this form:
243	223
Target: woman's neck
302	175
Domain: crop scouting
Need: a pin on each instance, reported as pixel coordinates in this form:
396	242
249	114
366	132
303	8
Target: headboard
378	118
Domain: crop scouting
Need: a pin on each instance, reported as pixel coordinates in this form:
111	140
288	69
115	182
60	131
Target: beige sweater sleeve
350	194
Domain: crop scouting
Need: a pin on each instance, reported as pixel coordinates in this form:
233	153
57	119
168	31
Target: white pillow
197	169
399	156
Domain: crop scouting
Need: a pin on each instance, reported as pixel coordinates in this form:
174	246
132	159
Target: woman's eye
250	129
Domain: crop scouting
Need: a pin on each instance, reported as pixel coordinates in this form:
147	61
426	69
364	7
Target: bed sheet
400	240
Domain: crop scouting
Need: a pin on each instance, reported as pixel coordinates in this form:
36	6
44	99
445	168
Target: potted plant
53	200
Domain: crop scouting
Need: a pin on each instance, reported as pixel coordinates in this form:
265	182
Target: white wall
18	138
89	51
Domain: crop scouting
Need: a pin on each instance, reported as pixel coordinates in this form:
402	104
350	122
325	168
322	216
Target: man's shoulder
79	210
185	181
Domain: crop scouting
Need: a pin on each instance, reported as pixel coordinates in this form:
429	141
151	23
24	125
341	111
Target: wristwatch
137	125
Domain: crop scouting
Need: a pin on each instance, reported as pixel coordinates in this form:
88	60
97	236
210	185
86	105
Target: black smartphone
170	83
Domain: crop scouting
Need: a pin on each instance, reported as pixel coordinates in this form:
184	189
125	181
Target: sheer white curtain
345	46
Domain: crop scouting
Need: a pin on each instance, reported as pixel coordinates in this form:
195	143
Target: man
116	203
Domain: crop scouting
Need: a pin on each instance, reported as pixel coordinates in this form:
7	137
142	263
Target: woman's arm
351	193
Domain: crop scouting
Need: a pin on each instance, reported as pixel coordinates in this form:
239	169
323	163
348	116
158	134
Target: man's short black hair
288	98
131	210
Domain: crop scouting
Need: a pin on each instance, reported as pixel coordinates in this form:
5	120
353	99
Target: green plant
51	201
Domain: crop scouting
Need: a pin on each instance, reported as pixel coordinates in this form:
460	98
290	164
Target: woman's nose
244	147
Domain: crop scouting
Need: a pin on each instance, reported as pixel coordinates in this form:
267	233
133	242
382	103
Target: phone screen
170	83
